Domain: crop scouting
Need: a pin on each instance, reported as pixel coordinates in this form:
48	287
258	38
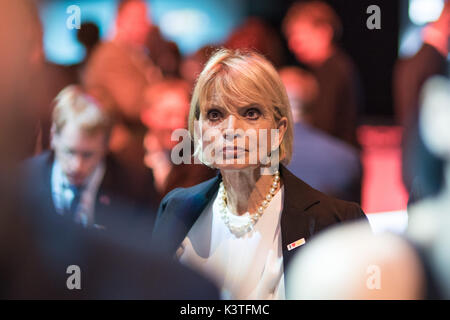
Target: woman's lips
233	148
232	152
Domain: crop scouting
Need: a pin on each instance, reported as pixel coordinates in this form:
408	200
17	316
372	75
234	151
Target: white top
246	267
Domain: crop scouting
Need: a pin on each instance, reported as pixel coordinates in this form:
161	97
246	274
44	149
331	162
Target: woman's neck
246	189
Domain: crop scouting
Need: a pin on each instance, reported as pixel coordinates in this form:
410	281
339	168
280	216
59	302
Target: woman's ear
434	119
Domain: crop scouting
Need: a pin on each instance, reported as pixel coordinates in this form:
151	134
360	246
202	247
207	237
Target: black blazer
118	204
306	212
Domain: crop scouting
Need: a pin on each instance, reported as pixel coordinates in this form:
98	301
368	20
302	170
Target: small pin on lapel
296	244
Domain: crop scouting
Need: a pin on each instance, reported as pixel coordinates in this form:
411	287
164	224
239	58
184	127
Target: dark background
373	51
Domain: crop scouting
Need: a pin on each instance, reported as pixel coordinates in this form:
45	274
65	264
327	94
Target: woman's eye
213	115
253	114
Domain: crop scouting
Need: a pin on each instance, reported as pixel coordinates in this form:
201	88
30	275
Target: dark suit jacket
306	212
118	204
113	264
37	248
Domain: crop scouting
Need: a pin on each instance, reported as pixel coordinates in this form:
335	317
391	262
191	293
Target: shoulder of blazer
34	183
179	210
42	162
201	191
300	197
34	174
307	211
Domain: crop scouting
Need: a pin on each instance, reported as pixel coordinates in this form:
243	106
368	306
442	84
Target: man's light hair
239	78
74	105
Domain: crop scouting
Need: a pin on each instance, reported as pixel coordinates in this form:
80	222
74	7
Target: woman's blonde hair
238	78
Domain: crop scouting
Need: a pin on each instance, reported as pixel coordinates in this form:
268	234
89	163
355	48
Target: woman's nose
231	122
231	126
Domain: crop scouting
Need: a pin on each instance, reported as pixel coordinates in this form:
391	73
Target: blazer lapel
106	195
296	225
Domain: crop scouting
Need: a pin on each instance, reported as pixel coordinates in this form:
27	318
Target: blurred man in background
42	81
78	179
313	30
410	74
326	163
166	110
256	34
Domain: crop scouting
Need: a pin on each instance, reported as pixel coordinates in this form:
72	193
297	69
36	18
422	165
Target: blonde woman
242	227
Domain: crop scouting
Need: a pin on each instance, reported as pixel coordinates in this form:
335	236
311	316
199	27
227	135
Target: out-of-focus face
308	42
166	114
78	153
240	137
133	22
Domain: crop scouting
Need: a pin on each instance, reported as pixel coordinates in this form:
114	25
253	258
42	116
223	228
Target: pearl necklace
253	218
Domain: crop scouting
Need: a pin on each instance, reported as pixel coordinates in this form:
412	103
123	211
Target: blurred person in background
48	80
255	34
42	83
323	161
78	180
387	266
37	247
21	50
411	73
165	54
192	65
122	68
166	110
88	36
313	31
409	76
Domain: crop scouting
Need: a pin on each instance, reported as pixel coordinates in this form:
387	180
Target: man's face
308	41
78	153
165	116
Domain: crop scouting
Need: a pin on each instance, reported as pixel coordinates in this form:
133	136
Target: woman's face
239	137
